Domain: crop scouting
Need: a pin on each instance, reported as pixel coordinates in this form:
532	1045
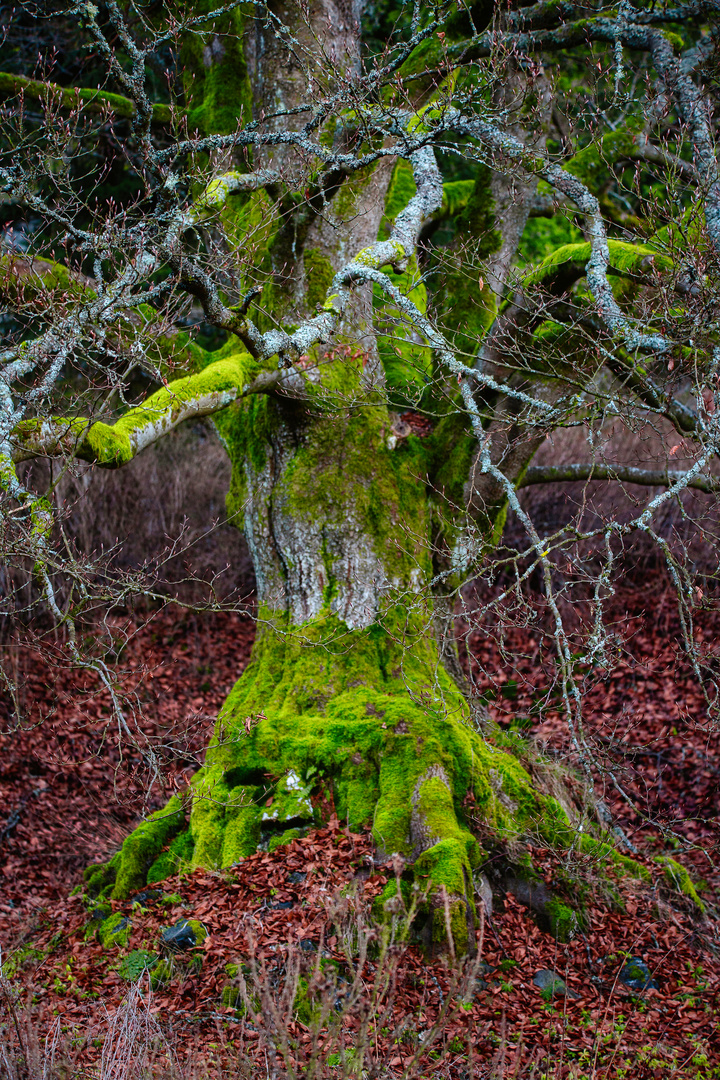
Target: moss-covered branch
91	100
203	394
558	474
635	261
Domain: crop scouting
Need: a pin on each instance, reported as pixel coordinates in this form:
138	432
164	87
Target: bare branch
554	474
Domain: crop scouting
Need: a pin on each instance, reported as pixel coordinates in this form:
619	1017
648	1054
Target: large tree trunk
345	691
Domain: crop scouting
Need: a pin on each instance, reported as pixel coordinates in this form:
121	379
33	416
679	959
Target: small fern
135	964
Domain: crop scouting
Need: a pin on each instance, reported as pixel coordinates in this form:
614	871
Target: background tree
390	252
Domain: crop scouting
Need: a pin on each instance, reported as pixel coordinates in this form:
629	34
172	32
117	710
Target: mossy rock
185	934
99	913
114	931
563	921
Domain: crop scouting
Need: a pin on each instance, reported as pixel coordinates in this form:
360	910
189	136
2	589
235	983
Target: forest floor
296	923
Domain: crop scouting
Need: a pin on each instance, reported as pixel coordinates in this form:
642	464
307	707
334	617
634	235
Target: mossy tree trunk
345	690
290	196
348	688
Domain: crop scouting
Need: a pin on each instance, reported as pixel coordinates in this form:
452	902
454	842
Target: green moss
198	930
399	193
101	875
543	236
457	197
98	913
215	75
46	276
477	217
606	854
242	826
563	920
143	845
406	359
679	879
319	274
94	100
456	915
172	861
624	258
221	380
389	903
114	931
231	996
283	838
161	974
207	819
469	306
306	1008
455	856
676	40
452	447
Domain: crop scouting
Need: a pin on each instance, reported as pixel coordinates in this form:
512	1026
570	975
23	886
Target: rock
99	913
147	897
636	975
296	877
551	985
533	893
184	935
553	916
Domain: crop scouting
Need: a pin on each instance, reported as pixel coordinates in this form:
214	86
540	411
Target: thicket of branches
544	281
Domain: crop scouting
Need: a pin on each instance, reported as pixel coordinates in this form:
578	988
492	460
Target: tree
476	224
